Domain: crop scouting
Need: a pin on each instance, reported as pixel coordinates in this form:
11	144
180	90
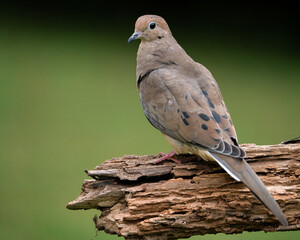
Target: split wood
142	200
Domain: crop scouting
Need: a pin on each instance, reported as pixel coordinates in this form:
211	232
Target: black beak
134	36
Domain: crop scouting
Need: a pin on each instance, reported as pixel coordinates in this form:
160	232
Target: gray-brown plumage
181	98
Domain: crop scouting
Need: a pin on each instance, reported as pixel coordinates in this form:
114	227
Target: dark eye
152	25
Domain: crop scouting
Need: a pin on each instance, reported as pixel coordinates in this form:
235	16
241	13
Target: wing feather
189	110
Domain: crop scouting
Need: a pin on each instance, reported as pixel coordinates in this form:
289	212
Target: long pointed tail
240	170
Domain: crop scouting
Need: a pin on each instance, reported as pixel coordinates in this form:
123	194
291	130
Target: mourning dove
181	98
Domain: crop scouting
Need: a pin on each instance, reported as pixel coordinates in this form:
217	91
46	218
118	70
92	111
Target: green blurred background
68	99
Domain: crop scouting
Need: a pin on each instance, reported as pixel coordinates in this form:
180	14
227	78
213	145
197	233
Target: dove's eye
152	25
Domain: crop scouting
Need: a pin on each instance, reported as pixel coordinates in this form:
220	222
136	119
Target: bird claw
169	156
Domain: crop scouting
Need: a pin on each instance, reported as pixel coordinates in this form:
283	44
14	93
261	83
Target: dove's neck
162	53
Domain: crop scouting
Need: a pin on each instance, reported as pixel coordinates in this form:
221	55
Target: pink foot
168	156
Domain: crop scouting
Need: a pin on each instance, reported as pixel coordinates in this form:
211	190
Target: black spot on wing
204	126
183	118
185	115
218	131
216	116
224	116
227	130
185	121
204	117
211	105
230	122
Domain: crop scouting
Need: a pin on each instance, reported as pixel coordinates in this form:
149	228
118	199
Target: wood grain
142	200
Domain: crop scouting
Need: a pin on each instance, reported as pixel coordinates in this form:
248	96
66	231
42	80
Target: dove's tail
241	171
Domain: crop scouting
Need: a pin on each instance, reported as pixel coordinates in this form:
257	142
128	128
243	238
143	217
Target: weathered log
142	200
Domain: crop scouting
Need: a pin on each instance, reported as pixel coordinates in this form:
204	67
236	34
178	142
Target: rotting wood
141	200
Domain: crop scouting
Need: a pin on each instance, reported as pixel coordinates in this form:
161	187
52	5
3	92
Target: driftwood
141	200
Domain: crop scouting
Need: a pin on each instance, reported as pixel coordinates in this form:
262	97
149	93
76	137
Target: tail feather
240	170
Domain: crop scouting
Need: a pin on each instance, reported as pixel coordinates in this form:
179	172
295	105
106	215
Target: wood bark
142	200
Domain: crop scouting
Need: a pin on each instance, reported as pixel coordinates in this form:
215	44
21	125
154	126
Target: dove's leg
168	156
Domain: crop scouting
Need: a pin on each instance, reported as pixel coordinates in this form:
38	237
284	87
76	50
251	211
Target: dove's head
150	28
